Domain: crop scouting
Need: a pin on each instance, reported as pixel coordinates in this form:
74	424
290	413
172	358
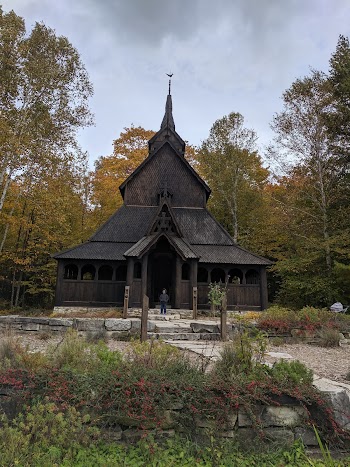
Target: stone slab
89	324
61	322
284	416
203	327
136	325
114	324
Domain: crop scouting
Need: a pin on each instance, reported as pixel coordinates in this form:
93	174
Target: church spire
168	120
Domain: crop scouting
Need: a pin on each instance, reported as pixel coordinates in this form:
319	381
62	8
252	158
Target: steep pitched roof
96	250
144	244
146	161
128	224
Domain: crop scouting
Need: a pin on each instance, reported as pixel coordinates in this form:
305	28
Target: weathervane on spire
170	76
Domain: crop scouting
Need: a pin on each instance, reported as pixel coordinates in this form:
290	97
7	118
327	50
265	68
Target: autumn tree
129	150
230	164
43	100
308	194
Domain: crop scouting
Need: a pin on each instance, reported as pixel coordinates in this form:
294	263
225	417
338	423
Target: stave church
163	236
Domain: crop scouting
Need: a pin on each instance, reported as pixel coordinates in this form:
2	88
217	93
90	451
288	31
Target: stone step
166	327
184	336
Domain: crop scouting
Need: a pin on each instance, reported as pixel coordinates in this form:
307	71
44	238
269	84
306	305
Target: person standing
163	298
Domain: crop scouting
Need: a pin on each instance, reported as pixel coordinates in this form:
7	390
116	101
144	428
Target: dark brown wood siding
166	168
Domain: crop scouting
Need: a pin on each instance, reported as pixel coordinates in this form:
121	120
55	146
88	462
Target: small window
121	273
88	272
137	270
105	273
185	275
71	272
235	276
217	275
252	277
202	275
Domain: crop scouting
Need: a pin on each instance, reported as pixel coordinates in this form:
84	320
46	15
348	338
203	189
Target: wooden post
178	283
263	288
126	301
194	300
144	318
223	318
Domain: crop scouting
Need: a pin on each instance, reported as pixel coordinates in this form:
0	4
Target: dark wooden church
162	237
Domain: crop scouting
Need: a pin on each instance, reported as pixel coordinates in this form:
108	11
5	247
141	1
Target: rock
111	434
30	326
61	322
136	325
338	395
243	418
209	337
89	324
202	422
280	436
114	324
306	435
131	435
283	416
204	327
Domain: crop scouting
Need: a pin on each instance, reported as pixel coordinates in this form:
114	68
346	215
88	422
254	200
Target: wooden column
130	271
144	276
263	288
193	279
178	282
223	318
144	298
59	283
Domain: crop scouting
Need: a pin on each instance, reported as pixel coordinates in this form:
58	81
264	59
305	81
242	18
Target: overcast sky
226	56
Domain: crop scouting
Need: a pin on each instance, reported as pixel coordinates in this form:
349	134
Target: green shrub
294	372
329	337
75	353
44	436
12	355
241	355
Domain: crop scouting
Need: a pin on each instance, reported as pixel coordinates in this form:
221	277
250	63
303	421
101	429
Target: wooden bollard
195	302
126	301
223	318
144	318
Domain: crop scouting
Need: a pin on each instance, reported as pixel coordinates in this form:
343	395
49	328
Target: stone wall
283	424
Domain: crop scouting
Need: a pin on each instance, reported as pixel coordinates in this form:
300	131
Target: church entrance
162	272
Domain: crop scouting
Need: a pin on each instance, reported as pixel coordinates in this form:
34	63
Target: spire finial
170	76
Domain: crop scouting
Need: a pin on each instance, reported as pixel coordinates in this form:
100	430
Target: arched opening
105	273
217	275
202	275
252	277
71	272
137	270
235	276
120	274
185	274
88	272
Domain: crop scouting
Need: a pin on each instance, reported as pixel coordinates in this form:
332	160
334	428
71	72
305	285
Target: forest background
290	204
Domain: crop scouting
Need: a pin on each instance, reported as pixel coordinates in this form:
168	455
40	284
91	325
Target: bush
12	355
241	356
44	435
292	373
329	337
75	353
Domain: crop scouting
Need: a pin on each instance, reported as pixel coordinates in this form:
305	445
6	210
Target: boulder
338	395
89	324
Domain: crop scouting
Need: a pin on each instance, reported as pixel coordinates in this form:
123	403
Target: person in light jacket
163	298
